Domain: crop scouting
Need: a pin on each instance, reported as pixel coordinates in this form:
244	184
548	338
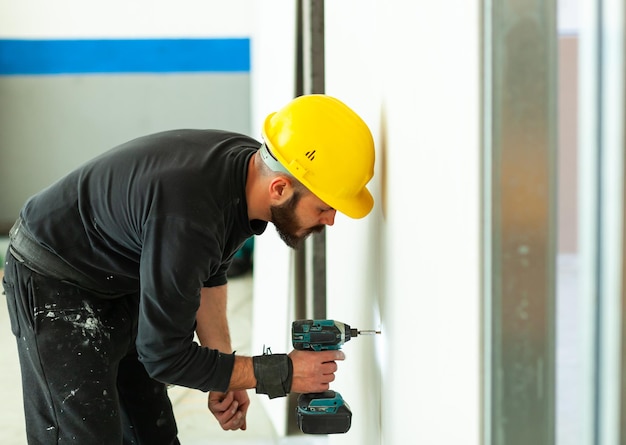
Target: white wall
431	67
412	267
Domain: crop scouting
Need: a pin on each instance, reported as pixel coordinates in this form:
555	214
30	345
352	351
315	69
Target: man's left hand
230	409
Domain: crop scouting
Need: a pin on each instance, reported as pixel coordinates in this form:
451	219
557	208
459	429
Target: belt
33	255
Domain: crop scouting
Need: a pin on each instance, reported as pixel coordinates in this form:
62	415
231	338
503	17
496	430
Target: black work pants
82	381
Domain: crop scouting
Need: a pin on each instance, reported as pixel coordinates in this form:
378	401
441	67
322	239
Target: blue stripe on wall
44	57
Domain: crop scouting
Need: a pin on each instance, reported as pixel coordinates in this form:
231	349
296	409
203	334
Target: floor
195	423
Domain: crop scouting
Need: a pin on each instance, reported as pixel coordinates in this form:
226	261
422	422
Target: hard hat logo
325	145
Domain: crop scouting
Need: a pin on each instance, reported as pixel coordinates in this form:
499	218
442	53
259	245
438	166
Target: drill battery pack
323	413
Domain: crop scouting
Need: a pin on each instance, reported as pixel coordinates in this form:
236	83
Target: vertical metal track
608	148
622	383
316	85
622	380
622	403
486	234
310	259
520	200
299	256
618	9
622	353
597	273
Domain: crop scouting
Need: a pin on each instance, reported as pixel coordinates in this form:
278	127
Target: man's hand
230	409
313	370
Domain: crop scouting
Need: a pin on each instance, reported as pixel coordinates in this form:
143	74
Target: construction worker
113	268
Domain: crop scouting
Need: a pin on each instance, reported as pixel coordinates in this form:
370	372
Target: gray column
520	213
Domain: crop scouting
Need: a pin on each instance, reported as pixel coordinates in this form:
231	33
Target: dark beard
284	219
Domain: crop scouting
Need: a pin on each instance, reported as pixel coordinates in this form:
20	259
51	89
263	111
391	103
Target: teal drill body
320	335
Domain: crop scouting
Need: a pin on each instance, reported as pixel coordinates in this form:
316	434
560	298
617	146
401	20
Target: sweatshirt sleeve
176	260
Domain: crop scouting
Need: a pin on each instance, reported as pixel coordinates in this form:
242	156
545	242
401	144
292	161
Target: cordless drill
323	412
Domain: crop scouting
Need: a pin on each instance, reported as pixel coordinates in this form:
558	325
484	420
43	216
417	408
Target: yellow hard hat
327	147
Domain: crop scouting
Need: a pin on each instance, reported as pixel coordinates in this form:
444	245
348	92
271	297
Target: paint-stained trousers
82	381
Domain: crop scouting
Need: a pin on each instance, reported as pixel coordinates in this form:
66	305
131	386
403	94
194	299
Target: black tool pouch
274	373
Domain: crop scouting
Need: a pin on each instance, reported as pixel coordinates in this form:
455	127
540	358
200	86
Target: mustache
295	242
314	229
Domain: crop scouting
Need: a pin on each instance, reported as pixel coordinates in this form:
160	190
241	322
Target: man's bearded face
287	224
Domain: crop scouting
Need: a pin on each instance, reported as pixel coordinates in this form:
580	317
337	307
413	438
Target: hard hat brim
356	207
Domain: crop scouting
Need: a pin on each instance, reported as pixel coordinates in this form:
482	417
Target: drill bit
368	332
354	332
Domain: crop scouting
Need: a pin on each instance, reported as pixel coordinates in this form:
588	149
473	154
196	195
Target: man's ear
280	189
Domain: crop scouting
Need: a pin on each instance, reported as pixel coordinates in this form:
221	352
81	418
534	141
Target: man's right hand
313	370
